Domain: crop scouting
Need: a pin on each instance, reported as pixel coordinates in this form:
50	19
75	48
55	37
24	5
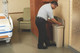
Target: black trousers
41	25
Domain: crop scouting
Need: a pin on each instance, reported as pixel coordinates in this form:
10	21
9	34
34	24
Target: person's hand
60	24
50	21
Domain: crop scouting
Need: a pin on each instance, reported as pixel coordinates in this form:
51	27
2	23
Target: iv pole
5	7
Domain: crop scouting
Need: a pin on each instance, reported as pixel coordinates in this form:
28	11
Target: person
45	12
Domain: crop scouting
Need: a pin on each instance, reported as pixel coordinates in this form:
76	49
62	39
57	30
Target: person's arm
54	20
51	16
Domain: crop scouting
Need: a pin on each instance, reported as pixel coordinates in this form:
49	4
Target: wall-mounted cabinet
48	0
34	6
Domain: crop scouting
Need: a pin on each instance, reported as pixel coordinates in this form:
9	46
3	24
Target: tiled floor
26	42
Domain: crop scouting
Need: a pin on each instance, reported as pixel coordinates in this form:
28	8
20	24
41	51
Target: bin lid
57	26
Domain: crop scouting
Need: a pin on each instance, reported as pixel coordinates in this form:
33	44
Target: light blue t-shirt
45	11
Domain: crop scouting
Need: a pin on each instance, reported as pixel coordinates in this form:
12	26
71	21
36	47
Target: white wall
62	11
16	5
75	25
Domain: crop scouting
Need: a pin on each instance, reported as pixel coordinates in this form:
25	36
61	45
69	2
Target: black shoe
42	47
52	44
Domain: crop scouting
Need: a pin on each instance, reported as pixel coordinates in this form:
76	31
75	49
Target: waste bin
58	35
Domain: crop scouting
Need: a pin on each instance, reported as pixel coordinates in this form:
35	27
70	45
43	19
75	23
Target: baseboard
26	30
75	51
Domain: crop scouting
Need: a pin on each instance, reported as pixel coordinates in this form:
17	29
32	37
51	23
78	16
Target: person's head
54	4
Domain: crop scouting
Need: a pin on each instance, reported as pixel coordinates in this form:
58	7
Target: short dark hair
54	2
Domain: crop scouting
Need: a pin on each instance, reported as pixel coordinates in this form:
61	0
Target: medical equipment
6	24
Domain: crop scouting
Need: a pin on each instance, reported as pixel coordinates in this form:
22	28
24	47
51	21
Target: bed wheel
8	41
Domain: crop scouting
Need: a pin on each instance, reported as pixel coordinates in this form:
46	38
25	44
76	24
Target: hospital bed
6	27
